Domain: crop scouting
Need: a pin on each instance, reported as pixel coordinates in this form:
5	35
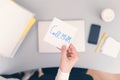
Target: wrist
65	69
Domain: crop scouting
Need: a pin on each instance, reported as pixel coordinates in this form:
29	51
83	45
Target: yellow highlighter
101	42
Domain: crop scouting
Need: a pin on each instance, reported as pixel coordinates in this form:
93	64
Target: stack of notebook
15	22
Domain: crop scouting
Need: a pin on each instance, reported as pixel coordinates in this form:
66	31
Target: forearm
61	75
68	59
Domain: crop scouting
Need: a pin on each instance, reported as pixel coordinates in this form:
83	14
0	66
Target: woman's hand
68	58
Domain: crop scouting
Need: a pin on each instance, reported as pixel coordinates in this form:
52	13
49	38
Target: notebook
15	22
78	41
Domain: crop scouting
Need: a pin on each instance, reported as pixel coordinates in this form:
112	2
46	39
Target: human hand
68	58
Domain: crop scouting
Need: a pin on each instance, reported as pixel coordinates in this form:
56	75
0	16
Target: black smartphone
94	33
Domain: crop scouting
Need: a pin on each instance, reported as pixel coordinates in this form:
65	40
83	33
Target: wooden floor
98	75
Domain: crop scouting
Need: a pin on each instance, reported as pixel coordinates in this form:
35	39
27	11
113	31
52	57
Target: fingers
72	49
70	52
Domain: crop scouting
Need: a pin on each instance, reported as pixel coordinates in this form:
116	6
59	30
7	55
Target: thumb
64	51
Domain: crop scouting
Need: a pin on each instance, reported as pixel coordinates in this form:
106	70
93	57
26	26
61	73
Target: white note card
78	41
111	47
60	33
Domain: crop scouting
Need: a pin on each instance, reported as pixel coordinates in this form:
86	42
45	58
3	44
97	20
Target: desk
27	56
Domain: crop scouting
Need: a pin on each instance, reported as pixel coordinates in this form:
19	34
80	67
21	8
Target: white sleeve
62	76
2	78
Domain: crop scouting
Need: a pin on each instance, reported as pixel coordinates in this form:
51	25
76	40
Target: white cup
107	15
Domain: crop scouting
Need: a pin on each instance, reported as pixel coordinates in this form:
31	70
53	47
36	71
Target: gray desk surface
28	57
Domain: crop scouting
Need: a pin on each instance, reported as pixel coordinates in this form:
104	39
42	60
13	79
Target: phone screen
94	34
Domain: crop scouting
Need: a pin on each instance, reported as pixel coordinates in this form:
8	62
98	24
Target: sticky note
111	47
60	33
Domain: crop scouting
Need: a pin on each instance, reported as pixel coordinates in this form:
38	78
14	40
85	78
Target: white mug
107	15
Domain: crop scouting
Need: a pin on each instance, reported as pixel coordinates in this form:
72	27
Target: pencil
101	41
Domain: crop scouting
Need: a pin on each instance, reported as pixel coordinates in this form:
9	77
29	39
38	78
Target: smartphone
94	34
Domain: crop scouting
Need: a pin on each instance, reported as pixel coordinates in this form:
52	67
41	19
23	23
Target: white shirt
1	78
62	76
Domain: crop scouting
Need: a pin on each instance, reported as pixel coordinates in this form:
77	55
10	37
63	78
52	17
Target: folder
15	22
32	21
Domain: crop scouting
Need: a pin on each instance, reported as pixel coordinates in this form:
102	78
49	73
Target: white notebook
78	41
15	22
